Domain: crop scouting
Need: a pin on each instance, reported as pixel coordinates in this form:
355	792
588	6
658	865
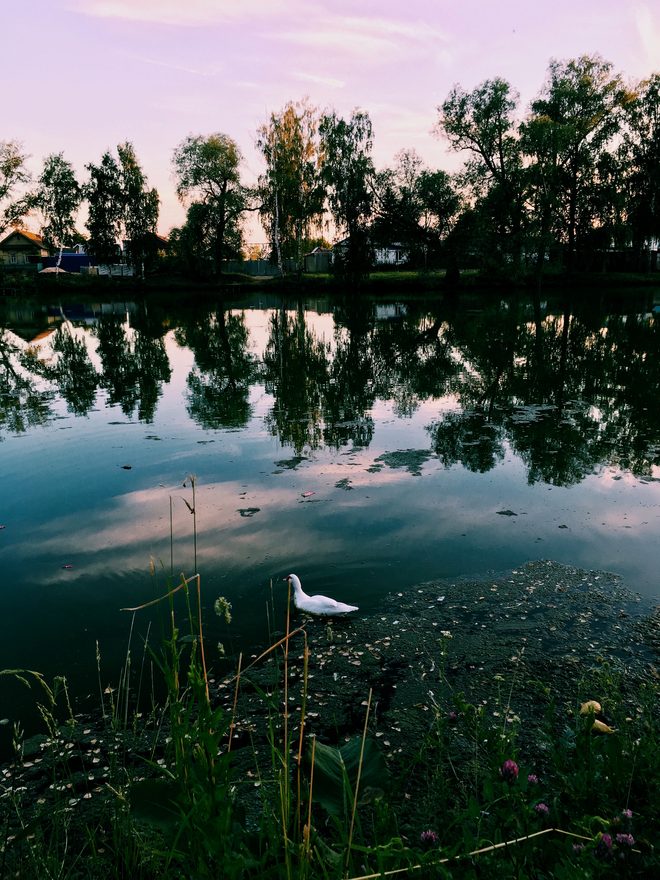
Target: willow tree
291	189
207	173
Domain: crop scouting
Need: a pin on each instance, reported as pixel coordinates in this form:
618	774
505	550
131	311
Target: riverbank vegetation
357	749
569	184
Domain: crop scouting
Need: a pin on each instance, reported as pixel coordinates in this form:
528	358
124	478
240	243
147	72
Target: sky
81	76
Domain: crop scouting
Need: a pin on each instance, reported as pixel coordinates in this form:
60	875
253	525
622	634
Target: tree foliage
57	196
414	207
572	123
347	171
139	209
104	198
291	190
207	173
122	207
13	174
482	123
639	157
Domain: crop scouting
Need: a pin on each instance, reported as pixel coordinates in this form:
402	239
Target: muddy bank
507	642
523	645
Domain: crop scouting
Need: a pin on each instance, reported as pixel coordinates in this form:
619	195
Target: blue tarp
69	262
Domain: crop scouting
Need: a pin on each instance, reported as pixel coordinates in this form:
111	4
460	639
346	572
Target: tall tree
104	197
347	171
13	173
482	124
139	209
291	190
122	207
207	172
57	196
572	122
414	206
397	207
640	156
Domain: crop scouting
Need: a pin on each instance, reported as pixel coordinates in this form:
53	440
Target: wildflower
604	846
509	771
428	838
222	608
625	840
541	809
627	814
533	779
578	848
452	717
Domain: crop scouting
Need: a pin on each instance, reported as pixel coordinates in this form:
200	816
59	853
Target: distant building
22	250
390	255
318	260
384	255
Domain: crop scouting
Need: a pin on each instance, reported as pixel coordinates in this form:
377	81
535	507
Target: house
318	260
390	255
383	255
22	250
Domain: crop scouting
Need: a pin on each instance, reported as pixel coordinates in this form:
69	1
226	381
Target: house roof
24	233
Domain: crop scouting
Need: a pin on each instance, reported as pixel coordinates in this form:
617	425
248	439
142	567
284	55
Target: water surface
367	447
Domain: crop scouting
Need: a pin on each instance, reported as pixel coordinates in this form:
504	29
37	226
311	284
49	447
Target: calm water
365	447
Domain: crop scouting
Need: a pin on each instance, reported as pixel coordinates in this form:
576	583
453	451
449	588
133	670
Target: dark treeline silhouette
570	183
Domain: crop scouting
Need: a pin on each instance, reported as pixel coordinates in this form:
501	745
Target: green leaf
336	771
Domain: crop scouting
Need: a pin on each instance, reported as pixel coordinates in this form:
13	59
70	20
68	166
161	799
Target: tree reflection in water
568	391
219	383
23	404
135	363
297	372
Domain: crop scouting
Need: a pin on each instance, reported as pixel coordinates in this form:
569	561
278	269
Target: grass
185	789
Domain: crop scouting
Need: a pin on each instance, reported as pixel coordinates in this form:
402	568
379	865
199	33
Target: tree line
573	178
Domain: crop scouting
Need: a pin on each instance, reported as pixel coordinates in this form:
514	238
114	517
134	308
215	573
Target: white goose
316	604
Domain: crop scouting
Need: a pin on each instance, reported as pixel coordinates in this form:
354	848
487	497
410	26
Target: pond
366	446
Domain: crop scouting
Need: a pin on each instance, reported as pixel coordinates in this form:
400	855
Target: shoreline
535	633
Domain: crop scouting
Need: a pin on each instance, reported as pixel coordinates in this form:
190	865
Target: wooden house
22	250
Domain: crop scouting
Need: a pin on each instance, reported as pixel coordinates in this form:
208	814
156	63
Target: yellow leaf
590	706
601	727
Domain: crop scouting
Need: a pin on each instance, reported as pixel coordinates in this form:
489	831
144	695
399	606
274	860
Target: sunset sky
81	76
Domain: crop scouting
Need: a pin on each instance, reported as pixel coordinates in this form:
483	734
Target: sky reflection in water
367	448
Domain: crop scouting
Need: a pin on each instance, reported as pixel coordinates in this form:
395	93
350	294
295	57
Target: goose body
322	605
